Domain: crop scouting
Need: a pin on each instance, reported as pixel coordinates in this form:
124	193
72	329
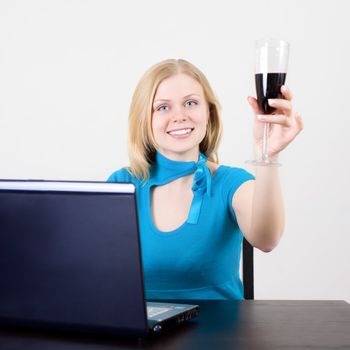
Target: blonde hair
141	143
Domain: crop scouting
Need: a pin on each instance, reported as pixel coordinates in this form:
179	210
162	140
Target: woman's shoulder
228	180
229	173
121	175
227	169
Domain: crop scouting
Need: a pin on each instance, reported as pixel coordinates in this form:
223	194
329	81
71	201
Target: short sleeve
121	175
234	178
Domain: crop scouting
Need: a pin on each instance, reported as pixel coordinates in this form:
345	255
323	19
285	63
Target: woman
193	212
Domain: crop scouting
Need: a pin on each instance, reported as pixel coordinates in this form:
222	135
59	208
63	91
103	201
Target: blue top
197	260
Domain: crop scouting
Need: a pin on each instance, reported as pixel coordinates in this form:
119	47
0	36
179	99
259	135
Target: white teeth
180	132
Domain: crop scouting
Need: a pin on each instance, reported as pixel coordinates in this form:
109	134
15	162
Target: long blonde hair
141	142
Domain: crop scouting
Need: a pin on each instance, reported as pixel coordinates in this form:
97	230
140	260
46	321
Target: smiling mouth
181	131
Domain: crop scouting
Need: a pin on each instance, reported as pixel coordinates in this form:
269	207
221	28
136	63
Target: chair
248	270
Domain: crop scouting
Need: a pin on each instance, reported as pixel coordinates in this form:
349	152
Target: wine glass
271	61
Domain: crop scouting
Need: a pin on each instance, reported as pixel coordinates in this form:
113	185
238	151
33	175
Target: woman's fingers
286	92
283	120
254	104
281	104
280	119
296	128
299	122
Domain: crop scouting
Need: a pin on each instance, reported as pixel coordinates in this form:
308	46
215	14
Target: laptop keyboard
155	310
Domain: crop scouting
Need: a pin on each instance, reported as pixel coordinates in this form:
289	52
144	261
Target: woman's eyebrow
167	100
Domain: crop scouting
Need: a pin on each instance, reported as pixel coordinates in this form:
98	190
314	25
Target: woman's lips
181	133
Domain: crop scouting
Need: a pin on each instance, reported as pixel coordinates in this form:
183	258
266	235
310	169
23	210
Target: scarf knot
202	177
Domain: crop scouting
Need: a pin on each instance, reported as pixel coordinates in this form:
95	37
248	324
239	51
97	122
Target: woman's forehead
177	87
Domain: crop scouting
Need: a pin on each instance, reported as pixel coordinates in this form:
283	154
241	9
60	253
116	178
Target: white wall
68	70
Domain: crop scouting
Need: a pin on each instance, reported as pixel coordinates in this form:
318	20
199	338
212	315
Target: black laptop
70	259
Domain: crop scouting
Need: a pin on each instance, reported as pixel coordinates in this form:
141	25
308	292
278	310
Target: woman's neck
189	156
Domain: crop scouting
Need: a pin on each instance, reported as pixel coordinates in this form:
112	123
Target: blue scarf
165	170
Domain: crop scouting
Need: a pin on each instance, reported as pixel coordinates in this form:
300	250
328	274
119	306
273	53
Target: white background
68	70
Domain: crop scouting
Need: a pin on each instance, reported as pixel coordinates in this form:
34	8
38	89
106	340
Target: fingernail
271	102
261	116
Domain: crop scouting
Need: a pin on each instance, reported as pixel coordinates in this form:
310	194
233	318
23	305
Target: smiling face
179	118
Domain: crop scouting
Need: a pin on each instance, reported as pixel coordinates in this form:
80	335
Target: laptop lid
70	256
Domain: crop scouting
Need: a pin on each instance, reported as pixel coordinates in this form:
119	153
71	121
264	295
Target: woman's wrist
258	154
274	157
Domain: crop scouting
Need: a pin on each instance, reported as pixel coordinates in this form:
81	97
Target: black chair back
248	270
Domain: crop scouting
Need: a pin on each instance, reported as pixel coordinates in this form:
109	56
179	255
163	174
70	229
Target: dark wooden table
221	325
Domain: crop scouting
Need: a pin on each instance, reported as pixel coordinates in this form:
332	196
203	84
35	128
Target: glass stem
265	155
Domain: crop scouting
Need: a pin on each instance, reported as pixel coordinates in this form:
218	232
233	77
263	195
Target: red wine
268	86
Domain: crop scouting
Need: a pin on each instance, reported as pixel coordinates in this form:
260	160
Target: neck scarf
165	170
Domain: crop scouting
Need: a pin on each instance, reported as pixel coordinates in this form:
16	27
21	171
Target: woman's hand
284	124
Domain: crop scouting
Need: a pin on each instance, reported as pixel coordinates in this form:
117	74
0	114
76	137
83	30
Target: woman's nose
179	114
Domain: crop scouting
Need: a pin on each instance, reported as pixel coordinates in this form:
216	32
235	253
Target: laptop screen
70	254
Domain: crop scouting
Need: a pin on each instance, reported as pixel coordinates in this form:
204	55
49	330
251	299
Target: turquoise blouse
196	260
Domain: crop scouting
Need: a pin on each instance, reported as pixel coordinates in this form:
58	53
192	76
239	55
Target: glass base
263	162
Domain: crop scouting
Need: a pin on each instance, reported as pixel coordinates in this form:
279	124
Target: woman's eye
162	108
191	103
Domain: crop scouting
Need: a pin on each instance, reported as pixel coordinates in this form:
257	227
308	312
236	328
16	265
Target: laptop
70	259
